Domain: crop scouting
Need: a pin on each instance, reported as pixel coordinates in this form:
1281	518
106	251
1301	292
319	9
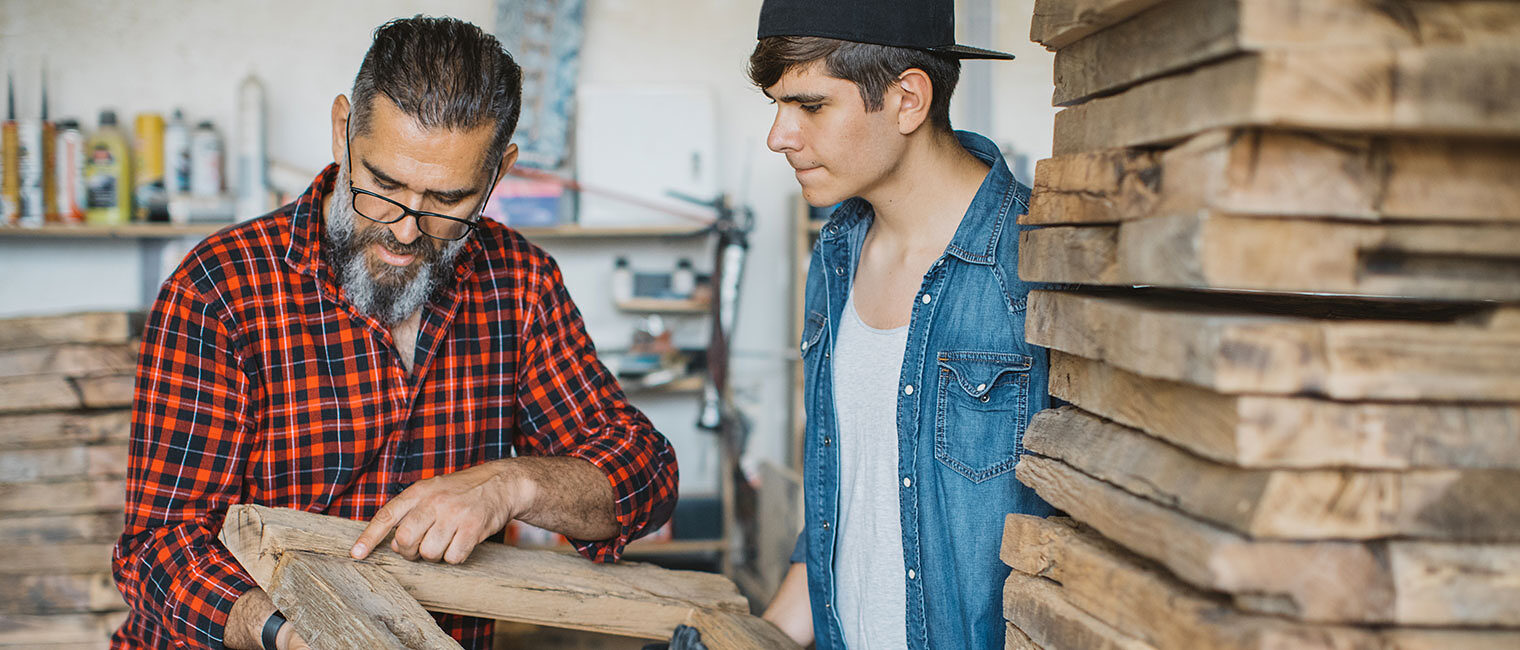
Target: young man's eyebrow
446	195
801	98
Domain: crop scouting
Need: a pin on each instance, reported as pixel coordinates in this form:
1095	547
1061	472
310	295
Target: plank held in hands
1384	582
1284	174
1265	431
1473	505
337	603
1213	342
510	584
1135	595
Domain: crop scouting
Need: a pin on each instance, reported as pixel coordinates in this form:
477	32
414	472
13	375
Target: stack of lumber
65	392
1290	338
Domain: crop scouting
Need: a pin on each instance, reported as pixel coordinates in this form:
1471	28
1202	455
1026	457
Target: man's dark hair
444	73
872	68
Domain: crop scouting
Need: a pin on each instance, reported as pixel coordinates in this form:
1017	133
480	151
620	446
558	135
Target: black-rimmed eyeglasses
380	209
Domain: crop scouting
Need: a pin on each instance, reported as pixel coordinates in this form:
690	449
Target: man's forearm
567	495
246	620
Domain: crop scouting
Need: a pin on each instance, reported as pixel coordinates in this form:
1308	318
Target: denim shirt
968	387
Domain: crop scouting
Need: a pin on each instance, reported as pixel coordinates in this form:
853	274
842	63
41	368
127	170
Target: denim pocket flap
978	372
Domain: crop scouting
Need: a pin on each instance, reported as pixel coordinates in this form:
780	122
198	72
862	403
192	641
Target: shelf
605	232
681	385
665	306
124	231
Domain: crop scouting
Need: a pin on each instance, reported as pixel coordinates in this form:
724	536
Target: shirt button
911	574
939	261
981	387
907	482
804	346
827	606
908	390
825	525
839	270
827	441
926	299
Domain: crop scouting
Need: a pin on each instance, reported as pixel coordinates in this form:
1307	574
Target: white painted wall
155	55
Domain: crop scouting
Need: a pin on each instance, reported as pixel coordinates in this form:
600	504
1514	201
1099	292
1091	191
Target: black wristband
272	630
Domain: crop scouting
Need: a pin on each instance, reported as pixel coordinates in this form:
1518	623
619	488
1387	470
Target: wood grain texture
73	360
1263	431
63	593
1058	23
61	429
50	631
1212	251
1471	505
1174	36
70	557
1439	90
1206	341
62	497
1247	172
1383	582
503	582
91	327
1134	595
1039	608
55	528
337	604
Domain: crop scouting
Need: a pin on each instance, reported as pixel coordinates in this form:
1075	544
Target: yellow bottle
108	174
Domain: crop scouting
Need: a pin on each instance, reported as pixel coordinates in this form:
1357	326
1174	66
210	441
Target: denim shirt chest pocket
981	409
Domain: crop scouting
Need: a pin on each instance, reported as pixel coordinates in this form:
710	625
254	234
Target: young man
377	351
918	383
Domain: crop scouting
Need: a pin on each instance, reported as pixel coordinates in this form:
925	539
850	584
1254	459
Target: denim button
839	270
908	390
825	525
804	346
926	299
907	482
827	441
911	574
979	387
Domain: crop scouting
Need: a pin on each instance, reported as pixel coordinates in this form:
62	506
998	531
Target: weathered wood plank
73	557
1041	611
49	630
1293	432
60	594
1058	23
92	327
86	462
499	582
1173	36
1211	251
61	429
337	604
42	393
1133	595
63	497
1283	173
106	391
1471	505
1016	639
1439	90
722	629
73	360
50	528
1409	583
1199	341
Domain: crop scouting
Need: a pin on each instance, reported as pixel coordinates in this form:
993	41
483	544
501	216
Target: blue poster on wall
544	36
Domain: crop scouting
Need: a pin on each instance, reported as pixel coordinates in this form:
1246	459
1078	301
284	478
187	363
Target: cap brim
966	52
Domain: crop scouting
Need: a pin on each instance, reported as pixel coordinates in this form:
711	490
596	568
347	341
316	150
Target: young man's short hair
872	68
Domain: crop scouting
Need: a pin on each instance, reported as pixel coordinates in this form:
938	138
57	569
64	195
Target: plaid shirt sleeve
571	405
191	435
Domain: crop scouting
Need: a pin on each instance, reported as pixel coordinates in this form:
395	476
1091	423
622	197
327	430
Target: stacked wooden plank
1291	338
65	388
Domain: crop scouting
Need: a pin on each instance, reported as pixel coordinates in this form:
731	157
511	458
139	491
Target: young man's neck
929	190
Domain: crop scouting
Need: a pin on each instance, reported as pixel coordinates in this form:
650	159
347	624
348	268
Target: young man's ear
916	95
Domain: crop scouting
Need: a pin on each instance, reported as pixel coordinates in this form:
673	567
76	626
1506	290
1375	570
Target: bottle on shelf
684	281
10	161
108	173
205	161
622	280
177	155
151	200
69	189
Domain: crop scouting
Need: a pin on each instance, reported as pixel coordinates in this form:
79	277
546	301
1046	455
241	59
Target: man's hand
245	624
445	517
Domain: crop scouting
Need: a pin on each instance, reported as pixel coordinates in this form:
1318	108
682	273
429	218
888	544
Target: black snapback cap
919	24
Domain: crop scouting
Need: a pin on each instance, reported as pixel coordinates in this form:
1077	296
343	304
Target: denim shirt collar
975	240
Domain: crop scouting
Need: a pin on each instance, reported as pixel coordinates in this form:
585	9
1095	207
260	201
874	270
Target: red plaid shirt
259	382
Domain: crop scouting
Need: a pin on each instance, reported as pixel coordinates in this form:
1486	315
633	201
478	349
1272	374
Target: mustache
423	246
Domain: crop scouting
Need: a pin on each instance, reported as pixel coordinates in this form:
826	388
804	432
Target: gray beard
386	292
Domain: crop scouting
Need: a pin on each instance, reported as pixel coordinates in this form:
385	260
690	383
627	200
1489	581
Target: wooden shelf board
606	232
665	306
123	231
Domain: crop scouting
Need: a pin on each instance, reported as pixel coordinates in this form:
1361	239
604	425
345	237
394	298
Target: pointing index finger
385	519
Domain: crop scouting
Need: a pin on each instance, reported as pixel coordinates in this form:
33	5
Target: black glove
684	638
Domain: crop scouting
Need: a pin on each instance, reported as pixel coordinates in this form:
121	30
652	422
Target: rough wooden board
94	461
1173	36
60	594
1134	595
1058	23
93	327
734	630
1293	432
1407	583
1284	173
73	557
337	604
60	429
48	630
1015	639
499	582
1440	90
63	497
1039	608
73	360
46	529
1212	251
106	391
42	393
1192	339
1471	505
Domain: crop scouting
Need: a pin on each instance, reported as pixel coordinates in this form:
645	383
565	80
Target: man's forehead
805	81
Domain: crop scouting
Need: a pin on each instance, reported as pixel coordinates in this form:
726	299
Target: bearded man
377	351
